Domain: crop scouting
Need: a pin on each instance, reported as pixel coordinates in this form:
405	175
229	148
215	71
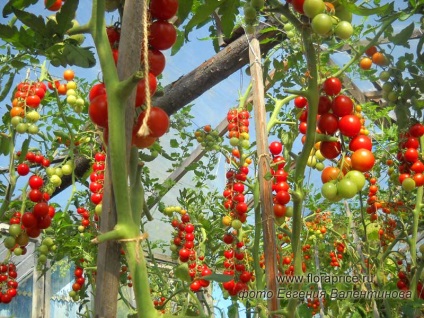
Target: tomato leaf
79	56
36	23
359	10
6	88
65	16
9	33
18	4
4	144
178	44
228	11
182	272
184	9
220	278
202	14
403	36
24	149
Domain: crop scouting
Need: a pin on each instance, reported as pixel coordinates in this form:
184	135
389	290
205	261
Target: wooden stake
264	159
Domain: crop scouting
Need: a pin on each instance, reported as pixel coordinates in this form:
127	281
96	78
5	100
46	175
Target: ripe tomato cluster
97	178
31	159
78	285
373	203
183	246
314	304
8	283
411	166
162	33
336	255
236	265
238	127
125	276
387	232
26	100
85	218
280	186
373	57
159	302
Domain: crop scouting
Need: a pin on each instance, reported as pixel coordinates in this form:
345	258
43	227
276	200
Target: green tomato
408	184
18	251
33	129
329	190
81	228
312	161
357	177
344	30
98	209
288	27
55	180
43	249
245	144
32	116
234	141
48	241
387	87
80	102
21	128
71	100
343	14
16	121
322	24
392	96
67	170
384	76
50	171
42	259
9	242
236	224
289	211
346	188
58	171
257	4
319	166
15	230
313	7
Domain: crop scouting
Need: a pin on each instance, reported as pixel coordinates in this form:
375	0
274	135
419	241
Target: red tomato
362	160
360	141
332	86
96	90
328	123
279	210
162	35
282	197
300	102
298	5
411	155
350	125
35	182
324	104
142	142
98	111
158	122
419	179
113	35
330	149
303	127
55	6
163	9
140	98
417	130
29	220
342	105
156	62
417	167
331	173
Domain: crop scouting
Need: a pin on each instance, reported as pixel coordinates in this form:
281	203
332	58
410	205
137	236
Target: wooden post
41	291
108	263
265	186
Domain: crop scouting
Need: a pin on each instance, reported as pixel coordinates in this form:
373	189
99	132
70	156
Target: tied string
137	239
144	128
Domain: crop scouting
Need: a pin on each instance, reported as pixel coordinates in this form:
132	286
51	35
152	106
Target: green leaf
403	36
9	33
24	149
4	145
36	23
304	311
182	272
18	4
358	10
184	9
65	16
268	176
174	143
79	56
6	88
178	43
203	14
220	278
228	11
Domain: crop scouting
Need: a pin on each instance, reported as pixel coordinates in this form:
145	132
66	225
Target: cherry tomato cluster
85	218
125	276
78	285
411	166
238	127
31	158
159	303
162	33
47	245
373	203
372	56
336	256
314	304
236	265
209	138
8	283
326	19
183	247
73	97
280	185
387	232
318	227
27	99
403	281
97	178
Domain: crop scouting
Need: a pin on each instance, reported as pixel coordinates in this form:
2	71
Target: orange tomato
365	63
69	75
17	111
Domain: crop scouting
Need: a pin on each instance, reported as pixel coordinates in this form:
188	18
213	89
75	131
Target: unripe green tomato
257	4
50	171
319	166
48	241
313	7
15	121
43	249
80	102
343	14
72	293
289	211
15	230
245	144
329	190
78	109
357	177
58	171
236	224
322	24
9	242
42	259
346	188
32	116
21	128
387	87
312	161
55	180
177	209
71	100
392	96
319	155
67	170
288	27
18	251
32	129
421	248
71	85
249	14
343	30
408	184
290	34
384	76
234	141
98	209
